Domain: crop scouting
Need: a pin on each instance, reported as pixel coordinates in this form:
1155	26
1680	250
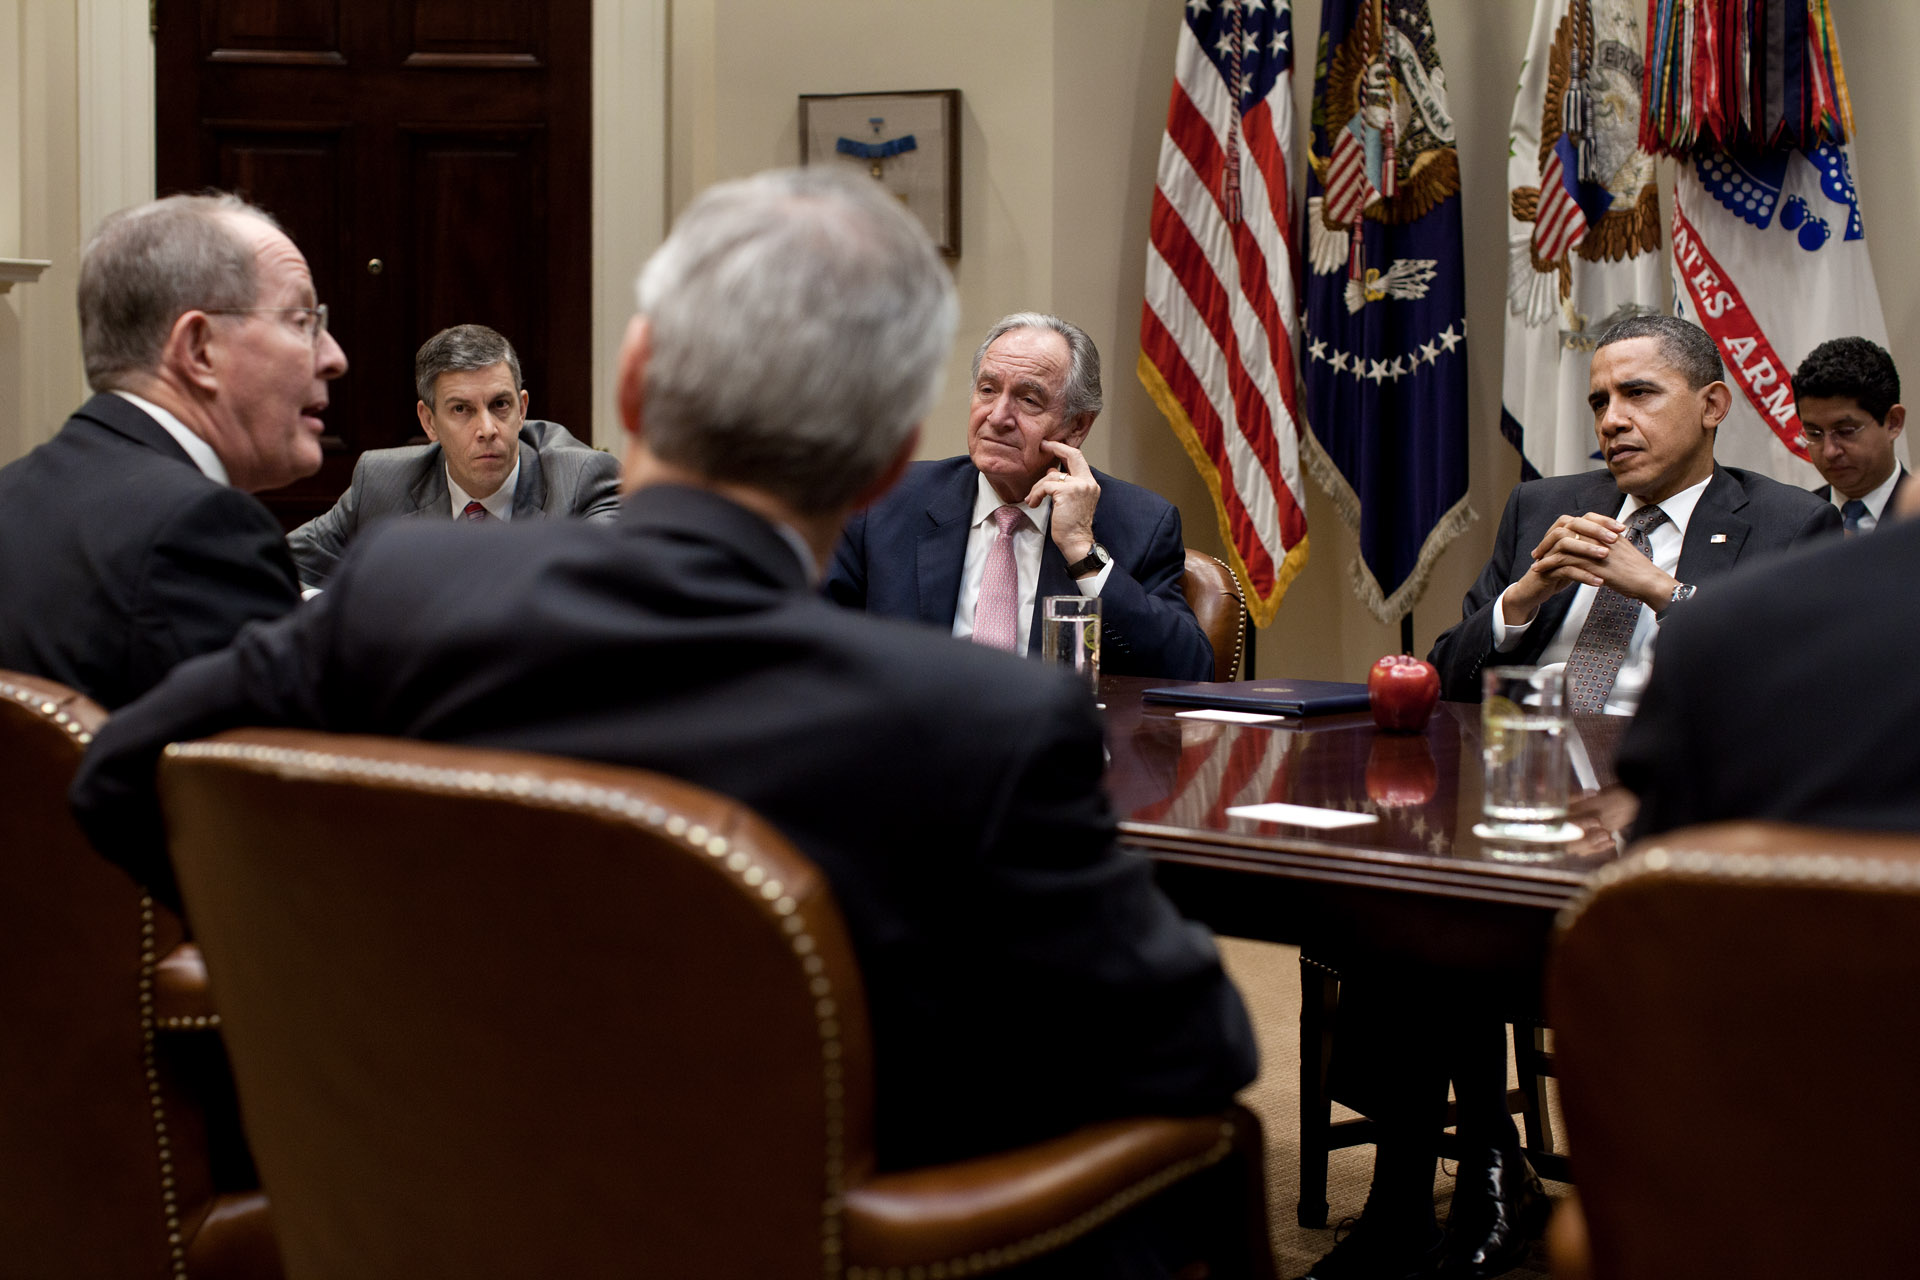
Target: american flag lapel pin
1718	537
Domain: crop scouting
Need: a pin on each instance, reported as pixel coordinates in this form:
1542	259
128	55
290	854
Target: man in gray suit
473	410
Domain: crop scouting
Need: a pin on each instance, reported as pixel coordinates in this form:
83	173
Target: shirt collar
197	449
1679	507
1876	500
986	501
499	503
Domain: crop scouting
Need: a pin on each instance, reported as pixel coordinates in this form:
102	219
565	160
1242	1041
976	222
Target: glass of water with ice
1524	728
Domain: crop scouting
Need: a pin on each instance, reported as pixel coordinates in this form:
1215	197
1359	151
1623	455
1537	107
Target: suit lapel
1715	532
429	495
530	491
941	552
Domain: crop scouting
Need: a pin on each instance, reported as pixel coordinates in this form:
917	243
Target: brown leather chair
1746	990
497	1014
1213	593
117	1122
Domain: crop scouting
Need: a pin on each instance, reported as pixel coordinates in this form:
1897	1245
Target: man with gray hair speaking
1024	975
484	460
1025	500
129	541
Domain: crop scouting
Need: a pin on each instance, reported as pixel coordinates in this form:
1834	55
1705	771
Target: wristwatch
1095	560
1681	591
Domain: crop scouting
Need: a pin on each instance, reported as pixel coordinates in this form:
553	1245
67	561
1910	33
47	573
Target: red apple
1401	772
1403	690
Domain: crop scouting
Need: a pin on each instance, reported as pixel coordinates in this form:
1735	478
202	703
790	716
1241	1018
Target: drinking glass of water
1524	726
1070	635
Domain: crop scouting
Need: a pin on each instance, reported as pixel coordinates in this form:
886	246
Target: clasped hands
1588	550
1075	494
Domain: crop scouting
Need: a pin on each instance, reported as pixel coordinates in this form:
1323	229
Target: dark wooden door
432	158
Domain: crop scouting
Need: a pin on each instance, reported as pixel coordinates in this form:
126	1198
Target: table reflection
1176	779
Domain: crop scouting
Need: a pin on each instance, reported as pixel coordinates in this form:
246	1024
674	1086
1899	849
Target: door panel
471	219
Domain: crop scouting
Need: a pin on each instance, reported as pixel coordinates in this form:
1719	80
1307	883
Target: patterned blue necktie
1850	513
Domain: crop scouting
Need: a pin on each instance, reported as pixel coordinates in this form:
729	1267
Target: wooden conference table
1413	886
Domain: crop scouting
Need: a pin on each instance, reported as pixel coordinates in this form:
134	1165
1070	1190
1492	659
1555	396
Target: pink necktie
997	610
475	512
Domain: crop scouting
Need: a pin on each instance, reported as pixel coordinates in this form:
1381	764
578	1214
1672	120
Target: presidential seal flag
1583	223
1769	252
1216	331
1384	355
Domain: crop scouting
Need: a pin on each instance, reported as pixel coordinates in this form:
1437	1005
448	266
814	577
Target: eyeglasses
1841	435
313	320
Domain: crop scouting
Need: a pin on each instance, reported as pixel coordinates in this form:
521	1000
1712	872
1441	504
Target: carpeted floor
1269	978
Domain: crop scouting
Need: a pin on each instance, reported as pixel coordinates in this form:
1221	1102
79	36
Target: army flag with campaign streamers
1384	356
1216	330
1769	250
1583	223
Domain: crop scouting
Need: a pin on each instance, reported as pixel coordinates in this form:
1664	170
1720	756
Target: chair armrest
995	1210
180	997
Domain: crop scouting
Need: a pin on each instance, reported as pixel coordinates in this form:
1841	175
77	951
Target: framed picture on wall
909	142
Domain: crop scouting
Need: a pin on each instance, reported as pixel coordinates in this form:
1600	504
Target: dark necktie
475	512
1602	645
1850	513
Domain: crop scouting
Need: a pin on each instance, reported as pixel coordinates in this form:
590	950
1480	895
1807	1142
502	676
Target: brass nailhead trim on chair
51	710
1792	868
610	800
169	1206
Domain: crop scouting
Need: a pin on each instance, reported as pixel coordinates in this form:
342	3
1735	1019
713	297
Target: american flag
1348	188
1217	330
1560	222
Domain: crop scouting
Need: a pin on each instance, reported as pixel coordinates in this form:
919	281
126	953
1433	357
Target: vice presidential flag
1384	346
1216	332
1583	223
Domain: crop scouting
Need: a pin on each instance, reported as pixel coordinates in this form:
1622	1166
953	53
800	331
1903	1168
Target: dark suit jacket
1825	494
1756	516
902	558
1024	975
1789	695
119	558
559	477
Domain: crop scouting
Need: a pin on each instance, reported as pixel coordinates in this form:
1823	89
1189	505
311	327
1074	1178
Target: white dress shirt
499	503
1666	539
1876	502
199	450
1029	540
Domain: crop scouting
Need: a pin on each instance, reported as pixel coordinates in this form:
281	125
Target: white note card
1300	815
1230	717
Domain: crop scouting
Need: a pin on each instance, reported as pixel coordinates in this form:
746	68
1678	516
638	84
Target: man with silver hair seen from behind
129	541
484	460
1024	976
1023	507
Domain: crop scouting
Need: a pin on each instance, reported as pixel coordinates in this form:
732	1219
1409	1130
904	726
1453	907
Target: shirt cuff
1090	586
1506	636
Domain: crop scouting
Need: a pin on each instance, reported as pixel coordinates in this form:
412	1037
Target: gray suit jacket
559	477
